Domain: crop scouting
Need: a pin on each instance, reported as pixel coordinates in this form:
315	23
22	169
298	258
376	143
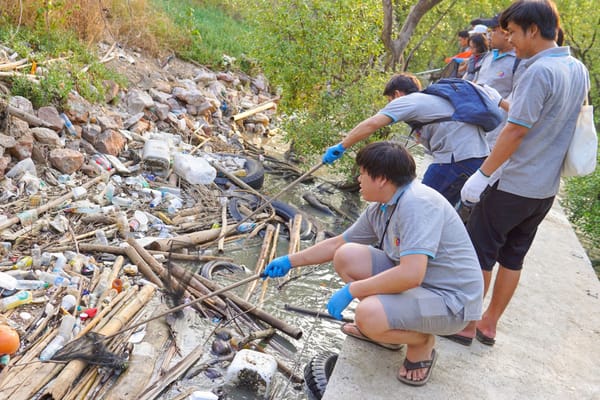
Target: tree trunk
395	47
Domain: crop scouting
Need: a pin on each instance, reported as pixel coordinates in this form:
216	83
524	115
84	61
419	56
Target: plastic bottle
117	284
139	222
17	299
155	202
28	284
68	302
122	224
122	201
23	263
79	192
68	125
65	332
36	257
52	279
59	264
7	281
101	237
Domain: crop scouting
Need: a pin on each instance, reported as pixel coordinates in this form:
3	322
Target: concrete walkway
548	341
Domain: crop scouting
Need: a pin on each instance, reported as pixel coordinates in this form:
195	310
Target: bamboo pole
144	268
276	323
116	268
255	110
260	264
74	368
190	239
221	243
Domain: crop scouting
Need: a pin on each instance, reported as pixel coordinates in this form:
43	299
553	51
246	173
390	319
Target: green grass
212	32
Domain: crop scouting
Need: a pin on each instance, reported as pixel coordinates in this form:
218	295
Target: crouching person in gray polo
407	259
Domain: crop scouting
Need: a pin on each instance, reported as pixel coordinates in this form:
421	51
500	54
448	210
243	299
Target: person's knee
348	257
370	316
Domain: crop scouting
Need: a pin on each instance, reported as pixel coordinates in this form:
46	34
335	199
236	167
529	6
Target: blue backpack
471	104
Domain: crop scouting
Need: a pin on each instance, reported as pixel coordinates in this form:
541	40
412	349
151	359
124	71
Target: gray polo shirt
547	100
444	140
423	222
497	71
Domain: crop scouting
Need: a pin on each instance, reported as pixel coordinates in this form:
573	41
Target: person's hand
474	186
333	153
339	301
492	93
278	267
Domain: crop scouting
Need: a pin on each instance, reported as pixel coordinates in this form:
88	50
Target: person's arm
317	254
508	142
365	129
406	275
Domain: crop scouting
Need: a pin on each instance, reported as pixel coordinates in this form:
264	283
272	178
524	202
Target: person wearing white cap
478	29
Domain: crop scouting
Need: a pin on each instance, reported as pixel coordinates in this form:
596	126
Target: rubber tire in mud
255	173
318	371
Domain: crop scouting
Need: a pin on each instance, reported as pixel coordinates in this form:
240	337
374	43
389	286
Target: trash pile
99	207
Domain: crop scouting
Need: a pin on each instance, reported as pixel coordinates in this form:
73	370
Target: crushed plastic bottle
68	124
101	237
65	332
26	284
23	263
16	300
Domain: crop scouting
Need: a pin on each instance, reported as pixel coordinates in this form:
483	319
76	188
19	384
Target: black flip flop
460	339
410	366
484	339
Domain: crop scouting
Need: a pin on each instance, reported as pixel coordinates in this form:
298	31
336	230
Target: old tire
255	172
318	371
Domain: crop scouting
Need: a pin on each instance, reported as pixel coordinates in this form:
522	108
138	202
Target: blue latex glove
333	153
339	301
278	267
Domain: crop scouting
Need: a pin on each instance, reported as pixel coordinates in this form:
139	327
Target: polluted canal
132	236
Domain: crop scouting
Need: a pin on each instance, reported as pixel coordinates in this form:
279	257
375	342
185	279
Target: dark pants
448	179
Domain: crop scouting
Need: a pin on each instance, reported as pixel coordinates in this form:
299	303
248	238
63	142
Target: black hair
480	43
463	34
560	36
389	160
524	13
404	82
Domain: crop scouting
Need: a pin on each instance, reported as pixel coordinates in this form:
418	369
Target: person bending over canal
407	258
458	148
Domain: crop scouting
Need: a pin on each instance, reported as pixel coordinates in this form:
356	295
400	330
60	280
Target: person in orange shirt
464	49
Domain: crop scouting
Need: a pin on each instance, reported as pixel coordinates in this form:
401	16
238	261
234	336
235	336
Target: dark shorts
502	227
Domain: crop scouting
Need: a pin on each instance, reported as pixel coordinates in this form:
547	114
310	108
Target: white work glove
491	93
473	187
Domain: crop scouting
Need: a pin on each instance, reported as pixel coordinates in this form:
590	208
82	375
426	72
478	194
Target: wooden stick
144	268
276	323
116	268
221	243
255	110
260	264
265	282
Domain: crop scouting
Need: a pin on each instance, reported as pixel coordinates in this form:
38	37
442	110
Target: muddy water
311	290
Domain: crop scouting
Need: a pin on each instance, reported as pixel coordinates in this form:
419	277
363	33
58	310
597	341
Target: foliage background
325	57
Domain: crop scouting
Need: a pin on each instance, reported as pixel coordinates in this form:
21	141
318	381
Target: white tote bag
583	149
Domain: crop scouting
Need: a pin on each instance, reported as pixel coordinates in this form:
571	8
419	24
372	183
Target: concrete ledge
548	341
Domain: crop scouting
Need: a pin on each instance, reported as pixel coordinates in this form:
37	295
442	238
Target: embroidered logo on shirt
500	74
397	242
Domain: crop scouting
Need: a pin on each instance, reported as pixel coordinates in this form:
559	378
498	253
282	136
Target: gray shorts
418	309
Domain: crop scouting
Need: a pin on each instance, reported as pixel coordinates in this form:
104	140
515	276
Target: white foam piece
251	369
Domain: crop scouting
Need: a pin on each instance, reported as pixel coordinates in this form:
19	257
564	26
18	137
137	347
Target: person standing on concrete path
513	200
498	66
407	258
458	148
